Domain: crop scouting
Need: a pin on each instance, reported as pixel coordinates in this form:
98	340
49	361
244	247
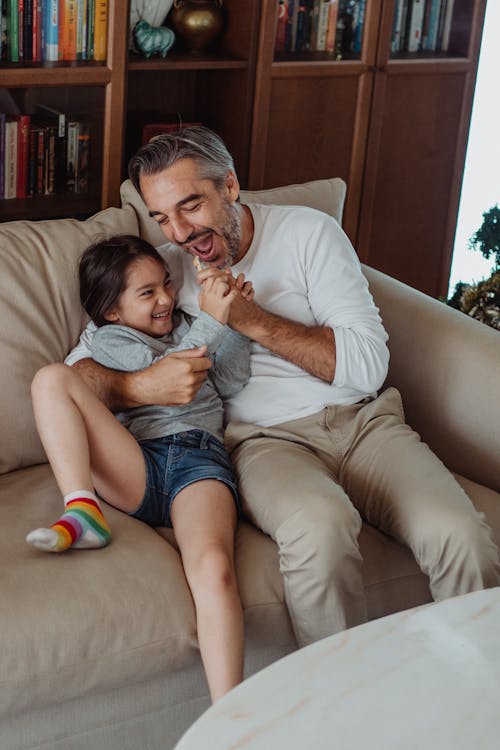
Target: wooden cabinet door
416	153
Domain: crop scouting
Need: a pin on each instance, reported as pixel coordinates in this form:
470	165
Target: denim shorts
176	461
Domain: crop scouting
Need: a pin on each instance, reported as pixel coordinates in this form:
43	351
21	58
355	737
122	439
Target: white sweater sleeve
339	297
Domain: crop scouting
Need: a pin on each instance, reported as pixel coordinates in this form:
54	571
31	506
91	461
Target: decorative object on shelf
151	40
197	22
153	12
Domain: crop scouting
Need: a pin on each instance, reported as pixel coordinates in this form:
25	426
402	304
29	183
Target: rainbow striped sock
82	526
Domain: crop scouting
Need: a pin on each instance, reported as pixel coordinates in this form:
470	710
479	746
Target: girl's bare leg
204	521
87	448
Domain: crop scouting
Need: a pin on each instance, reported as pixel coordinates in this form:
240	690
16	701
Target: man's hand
173	381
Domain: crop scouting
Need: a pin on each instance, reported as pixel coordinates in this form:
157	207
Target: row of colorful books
43	154
333	26
422	25
52	30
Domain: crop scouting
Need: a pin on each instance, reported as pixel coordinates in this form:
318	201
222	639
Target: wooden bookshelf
394	125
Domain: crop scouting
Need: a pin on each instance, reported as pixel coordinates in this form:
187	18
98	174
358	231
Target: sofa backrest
40	314
325	195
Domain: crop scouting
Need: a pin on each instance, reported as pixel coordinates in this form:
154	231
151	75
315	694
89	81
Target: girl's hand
217	294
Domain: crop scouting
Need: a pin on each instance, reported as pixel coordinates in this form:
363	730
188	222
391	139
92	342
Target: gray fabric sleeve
230	369
123	348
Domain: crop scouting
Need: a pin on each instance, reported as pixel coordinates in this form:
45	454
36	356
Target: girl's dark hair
103	272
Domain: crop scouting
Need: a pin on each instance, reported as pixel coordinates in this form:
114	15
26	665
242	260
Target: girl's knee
212	571
53	377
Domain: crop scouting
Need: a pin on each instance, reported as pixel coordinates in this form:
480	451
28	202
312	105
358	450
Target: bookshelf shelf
183	62
55	74
309	68
49	207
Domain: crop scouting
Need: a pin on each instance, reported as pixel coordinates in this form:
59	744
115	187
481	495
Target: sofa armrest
447	368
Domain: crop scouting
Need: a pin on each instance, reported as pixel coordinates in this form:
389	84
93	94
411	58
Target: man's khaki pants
308	482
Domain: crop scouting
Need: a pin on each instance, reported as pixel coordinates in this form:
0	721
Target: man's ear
232	186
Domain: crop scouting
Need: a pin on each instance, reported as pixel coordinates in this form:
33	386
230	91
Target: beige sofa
98	649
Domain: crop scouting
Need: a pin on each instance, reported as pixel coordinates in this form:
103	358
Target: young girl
164	465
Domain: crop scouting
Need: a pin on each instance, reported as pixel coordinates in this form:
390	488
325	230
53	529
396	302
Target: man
314	447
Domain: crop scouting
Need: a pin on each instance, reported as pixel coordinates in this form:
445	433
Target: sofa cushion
40	313
325	195
85	621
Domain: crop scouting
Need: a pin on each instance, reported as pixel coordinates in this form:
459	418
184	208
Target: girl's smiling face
147	302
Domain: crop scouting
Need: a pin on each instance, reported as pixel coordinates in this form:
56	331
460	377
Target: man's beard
229	229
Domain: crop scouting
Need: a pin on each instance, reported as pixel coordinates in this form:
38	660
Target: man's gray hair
199	143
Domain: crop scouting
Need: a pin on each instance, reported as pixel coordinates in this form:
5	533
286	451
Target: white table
428	678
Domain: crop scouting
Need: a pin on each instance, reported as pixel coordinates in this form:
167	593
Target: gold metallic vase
197	23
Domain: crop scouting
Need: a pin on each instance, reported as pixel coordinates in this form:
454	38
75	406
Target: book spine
82	172
50	163
13	26
100	29
37	31
28	30
40	161
281	21
10	161
332	26
324	12
358	31
23	133
416	22
20	28
69	30
33	140
81	30
2	155
315	24
442	16
430	42
447	25
90	29
396	28
72	155
50	51
300	34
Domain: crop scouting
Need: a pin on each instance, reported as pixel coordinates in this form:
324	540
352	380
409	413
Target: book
416	23
300	32
50	25
13	31
83	159
28	30
67	30
90	29
23	136
324	13
10	158
281	23
357	42
37	31
397	27
48	116
100	29
332	26
20	29
81	30
314	24
73	132
447	25
40	151
430	41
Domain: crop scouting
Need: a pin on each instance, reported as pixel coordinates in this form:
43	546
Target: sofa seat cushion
85	621
40	313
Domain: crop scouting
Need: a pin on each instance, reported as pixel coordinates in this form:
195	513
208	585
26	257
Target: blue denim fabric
176	461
